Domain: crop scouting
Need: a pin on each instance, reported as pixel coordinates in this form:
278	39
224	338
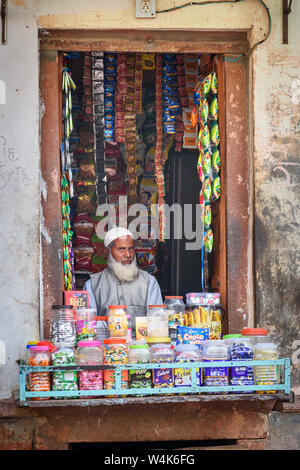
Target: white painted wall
19	192
276	98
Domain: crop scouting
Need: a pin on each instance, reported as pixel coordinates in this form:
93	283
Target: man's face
123	250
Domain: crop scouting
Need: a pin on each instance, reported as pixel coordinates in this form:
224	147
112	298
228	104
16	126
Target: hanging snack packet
206	85
207	215
204	137
214	83
216	188
206	163
204	110
214	134
216	161
208	241
214	109
206	190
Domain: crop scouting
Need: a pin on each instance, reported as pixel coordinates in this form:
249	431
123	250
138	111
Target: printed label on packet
186	335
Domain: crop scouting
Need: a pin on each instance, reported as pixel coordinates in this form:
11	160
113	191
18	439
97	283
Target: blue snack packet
190	335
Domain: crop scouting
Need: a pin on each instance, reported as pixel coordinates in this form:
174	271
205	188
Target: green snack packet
206	190
208	241
206	85
206	162
204	137
214	133
216	160
214	83
214	109
216	188
204	111
207	215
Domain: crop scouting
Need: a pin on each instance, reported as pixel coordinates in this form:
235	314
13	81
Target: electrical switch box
145	9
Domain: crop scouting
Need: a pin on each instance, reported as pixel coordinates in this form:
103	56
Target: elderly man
122	282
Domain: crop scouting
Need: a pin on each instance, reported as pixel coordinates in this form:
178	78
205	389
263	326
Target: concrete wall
274	114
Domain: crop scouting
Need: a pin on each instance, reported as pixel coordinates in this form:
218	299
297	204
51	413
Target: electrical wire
209	2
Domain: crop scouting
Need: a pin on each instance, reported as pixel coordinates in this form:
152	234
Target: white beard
123	272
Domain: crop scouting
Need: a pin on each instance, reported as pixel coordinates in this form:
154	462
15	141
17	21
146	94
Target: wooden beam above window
179	41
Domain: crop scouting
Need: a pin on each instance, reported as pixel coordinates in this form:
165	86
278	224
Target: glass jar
115	351
139	354
269	374
157	321
215	350
39	381
240	348
64	380
176	309
90	353
63	329
117	321
86	324
187	353
101	328
162	352
255	335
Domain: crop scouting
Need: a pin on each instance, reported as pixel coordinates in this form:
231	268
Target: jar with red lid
115	351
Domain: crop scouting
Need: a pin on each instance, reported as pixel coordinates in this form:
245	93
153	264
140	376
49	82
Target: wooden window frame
234	269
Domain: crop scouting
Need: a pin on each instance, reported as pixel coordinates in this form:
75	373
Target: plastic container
63	325
64	380
90	353
157	321
215	350
240	348
39	381
129	329
203	310
162	352
102	332
117	321
187	353
115	351
176	310
139	354
109	381
266	375
256	335
86	324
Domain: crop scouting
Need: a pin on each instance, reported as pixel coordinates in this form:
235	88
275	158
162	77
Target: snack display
64	379
187	353
39	381
240	349
215	350
162	352
90	353
86	324
63	329
266	375
115	351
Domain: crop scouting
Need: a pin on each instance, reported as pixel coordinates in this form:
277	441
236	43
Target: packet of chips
214	109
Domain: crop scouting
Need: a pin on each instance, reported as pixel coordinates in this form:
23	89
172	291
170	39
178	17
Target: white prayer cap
116	232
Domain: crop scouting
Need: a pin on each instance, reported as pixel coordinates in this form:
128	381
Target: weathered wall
275	98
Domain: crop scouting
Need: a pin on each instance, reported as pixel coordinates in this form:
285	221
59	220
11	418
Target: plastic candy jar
203	310
162	352
176	309
117	321
90	353
115	351
101	328
63	329
266	375
157	321
187	353
39	381
139	354
86	324
64	380
215	350
240	348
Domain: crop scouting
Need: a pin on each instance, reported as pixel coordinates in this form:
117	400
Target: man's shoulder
96	277
147	276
